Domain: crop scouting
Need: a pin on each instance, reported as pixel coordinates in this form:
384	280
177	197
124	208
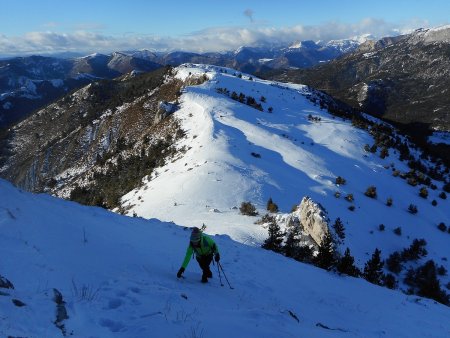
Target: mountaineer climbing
205	249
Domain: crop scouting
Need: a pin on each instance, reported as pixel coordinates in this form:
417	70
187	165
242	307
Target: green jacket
207	247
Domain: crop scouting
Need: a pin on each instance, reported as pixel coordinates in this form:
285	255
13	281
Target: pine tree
292	243
384	152
338	227
247	208
412	209
423	192
446	187
346	265
371	192
275	239
373	270
325	257
428	284
340	180
389	281
271	206
442	227
350	198
415	251
394	262
304	254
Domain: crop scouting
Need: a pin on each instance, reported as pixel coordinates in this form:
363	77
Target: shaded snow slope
298	157
117	277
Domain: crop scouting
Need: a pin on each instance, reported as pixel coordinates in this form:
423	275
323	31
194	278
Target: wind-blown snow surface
127	267
299	157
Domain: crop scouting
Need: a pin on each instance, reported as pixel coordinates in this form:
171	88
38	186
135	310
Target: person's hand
180	272
217	257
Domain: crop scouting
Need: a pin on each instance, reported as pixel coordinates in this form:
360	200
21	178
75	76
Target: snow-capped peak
93	55
363	38
296	45
239	49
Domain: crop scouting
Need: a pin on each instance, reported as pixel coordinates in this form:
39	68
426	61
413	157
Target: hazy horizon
84	27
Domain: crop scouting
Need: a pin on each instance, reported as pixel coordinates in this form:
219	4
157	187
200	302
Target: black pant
204	262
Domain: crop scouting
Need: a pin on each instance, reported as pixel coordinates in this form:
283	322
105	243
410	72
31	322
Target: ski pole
220	266
220	277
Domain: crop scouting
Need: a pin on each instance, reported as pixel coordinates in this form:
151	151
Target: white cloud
210	39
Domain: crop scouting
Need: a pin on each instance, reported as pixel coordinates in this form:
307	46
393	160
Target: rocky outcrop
61	311
313	218
310	218
164	110
5	283
18	302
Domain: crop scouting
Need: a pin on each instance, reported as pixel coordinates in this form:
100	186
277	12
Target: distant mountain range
30	83
404	79
252	59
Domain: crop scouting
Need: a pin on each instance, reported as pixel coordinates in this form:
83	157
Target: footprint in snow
121	293
113	326
135	289
114	303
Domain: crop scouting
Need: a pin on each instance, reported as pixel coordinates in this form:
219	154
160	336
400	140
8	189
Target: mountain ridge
190	144
402	79
56	77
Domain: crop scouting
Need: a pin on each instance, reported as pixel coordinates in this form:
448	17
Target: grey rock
314	219
5	283
18	303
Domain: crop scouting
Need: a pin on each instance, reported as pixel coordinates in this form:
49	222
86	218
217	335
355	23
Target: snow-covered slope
117	278
296	156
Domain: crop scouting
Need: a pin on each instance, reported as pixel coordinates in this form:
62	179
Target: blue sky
28	26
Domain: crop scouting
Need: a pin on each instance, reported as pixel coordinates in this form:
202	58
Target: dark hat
196	235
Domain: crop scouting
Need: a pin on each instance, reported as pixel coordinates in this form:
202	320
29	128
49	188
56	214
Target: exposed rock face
164	110
314	219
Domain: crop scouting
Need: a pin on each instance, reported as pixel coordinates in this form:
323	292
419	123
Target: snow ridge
236	153
74	249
